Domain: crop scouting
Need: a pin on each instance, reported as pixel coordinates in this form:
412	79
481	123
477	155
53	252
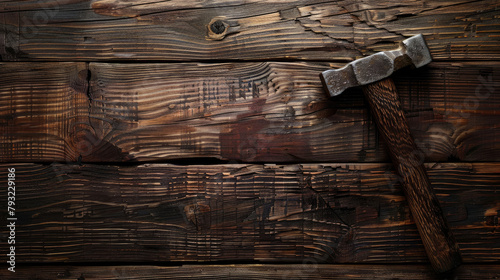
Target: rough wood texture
439	242
329	213
62	110
261	112
242	271
79	30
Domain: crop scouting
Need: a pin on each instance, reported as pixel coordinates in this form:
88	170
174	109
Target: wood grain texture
79	30
439	242
253	112
313	213
256	271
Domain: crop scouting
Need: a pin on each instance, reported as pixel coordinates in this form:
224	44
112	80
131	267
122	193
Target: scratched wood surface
260	112
246	271
79	30
325	213
115	89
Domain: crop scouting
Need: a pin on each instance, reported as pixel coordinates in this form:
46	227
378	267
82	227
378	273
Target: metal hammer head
412	51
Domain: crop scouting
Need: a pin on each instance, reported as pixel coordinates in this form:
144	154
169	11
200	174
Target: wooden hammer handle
439	243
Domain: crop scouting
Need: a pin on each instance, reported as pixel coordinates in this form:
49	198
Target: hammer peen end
412	51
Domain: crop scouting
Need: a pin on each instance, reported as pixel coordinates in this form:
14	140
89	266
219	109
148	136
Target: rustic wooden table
164	139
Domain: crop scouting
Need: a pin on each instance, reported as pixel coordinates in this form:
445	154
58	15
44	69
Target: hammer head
412	51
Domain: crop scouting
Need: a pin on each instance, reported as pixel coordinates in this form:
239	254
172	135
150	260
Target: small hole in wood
218	27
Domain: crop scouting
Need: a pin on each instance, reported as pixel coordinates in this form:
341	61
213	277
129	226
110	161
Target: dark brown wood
248	271
262	112
439	242
84	30
312	213
84	110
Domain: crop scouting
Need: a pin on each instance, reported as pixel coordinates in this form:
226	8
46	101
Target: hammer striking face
412	51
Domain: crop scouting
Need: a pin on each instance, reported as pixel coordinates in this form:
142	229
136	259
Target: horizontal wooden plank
79	30
248	271
324	213
252	112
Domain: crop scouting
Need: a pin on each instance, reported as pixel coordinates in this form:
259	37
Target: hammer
372	73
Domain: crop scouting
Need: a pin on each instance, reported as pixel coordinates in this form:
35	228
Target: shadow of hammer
372	73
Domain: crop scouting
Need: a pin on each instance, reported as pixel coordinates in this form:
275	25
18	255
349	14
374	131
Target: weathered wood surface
324	213
79	30
260	112
249	271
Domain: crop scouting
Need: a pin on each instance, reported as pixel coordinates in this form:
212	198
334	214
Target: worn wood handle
439	243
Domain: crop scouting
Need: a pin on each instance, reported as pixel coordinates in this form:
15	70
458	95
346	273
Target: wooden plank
324	213
253	112
79	30
248	271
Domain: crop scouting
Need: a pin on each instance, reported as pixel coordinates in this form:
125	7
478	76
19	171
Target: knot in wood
217	29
